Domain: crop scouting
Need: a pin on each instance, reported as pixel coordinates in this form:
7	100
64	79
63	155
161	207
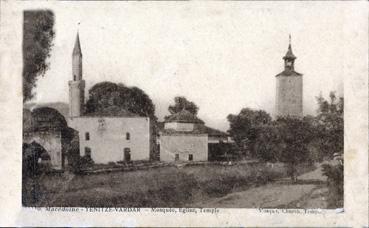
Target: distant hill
62	107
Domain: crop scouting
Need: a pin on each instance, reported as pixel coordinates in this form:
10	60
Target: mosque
125	136
122	136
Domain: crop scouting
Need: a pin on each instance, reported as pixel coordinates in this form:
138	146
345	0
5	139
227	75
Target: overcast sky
222	55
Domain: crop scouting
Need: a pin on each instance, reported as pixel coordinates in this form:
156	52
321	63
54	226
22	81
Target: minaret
77	84
289	91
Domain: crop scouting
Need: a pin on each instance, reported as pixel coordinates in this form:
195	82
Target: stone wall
289	96
51	142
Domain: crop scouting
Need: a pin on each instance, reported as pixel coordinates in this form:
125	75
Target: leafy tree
245	126
335	177
182	103
268	144
295	135
38	35
330	126
108	96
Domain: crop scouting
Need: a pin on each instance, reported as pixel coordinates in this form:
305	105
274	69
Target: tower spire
77	46
289	54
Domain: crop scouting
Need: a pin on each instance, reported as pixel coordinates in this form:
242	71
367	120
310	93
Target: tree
295	136
245	126
107	96
330	126
268	144
38	35
182	103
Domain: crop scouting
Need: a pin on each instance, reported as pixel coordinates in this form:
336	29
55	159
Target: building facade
289	89
183	139
117	136
112	139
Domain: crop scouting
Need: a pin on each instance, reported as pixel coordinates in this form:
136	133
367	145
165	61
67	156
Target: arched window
128	136
87	136
74	77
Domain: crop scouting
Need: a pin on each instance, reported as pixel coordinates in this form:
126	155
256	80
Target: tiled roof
289	73
198	129
184	116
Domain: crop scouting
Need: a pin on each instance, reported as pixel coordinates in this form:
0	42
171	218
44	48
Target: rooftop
184	116
43	119
198	129
287	72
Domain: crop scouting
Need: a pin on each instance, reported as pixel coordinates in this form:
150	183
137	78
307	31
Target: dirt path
308	192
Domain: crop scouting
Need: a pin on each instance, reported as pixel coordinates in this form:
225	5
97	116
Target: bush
82	163
334	174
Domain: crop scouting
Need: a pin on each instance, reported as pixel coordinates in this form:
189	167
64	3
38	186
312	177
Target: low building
183	138
47	128
185	128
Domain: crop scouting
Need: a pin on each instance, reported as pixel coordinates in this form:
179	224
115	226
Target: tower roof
184	116
77	46
289	54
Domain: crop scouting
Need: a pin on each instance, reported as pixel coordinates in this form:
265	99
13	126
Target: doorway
127	154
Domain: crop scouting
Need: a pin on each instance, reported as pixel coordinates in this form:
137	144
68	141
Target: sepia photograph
118	115
159	113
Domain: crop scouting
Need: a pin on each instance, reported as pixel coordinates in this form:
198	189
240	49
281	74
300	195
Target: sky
221	55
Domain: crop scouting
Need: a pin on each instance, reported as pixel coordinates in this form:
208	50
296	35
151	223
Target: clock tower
289	89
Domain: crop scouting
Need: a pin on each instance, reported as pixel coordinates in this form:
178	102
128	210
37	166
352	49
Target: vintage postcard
172	113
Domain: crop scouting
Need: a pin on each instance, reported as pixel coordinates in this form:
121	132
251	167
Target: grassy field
160	187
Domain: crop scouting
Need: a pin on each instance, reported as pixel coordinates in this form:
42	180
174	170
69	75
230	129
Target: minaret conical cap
77	46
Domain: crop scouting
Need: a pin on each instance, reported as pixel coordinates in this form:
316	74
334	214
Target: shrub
334	174
81	163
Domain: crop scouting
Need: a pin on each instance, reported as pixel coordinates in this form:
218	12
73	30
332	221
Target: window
190	157
176	157
74	77
88	151
128	136
87	136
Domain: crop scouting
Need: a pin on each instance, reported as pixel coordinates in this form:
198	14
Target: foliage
268	145
38	35
244	127
334	174
181	103
290	140
295	135
188	186
329	126
108	96
81	163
